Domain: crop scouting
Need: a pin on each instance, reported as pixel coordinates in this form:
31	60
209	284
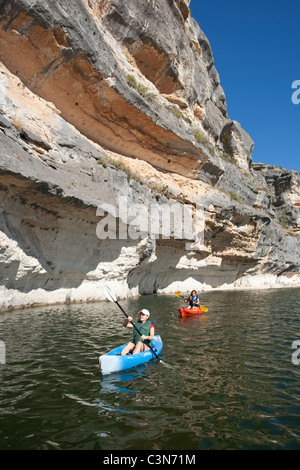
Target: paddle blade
204	308
166	364
177	294
109	294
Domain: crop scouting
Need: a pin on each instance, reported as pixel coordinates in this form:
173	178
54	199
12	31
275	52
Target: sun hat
145	312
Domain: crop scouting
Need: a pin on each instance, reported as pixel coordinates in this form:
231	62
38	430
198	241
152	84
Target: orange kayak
187	311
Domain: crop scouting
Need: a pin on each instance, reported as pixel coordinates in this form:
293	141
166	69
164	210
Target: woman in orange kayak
139	341
193	300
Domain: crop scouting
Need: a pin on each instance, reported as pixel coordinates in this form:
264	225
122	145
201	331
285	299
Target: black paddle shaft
137	329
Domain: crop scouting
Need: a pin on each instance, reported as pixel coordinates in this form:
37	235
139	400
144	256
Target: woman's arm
151	336
127	323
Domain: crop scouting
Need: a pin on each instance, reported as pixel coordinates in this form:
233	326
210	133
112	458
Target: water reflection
110	383
117	386
193	319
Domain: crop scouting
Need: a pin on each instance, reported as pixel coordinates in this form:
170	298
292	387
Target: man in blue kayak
144	334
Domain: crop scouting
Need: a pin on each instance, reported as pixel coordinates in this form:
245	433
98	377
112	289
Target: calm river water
232	384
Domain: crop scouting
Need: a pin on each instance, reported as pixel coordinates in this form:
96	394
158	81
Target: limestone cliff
101	99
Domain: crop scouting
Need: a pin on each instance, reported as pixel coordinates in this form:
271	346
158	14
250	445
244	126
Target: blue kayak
111	362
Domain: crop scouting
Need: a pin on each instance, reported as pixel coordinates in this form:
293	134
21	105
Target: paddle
111	296
201	306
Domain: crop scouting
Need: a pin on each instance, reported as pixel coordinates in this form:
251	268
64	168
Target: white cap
145	312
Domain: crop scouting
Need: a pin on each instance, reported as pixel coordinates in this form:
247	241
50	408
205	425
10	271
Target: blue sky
256	47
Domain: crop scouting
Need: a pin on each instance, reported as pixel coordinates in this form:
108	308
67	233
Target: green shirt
143	329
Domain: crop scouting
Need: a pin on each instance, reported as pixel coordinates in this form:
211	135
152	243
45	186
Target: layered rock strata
104	100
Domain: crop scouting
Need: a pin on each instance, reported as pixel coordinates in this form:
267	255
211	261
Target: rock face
103	101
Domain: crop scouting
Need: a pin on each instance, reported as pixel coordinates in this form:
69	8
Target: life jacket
193	300
143	329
